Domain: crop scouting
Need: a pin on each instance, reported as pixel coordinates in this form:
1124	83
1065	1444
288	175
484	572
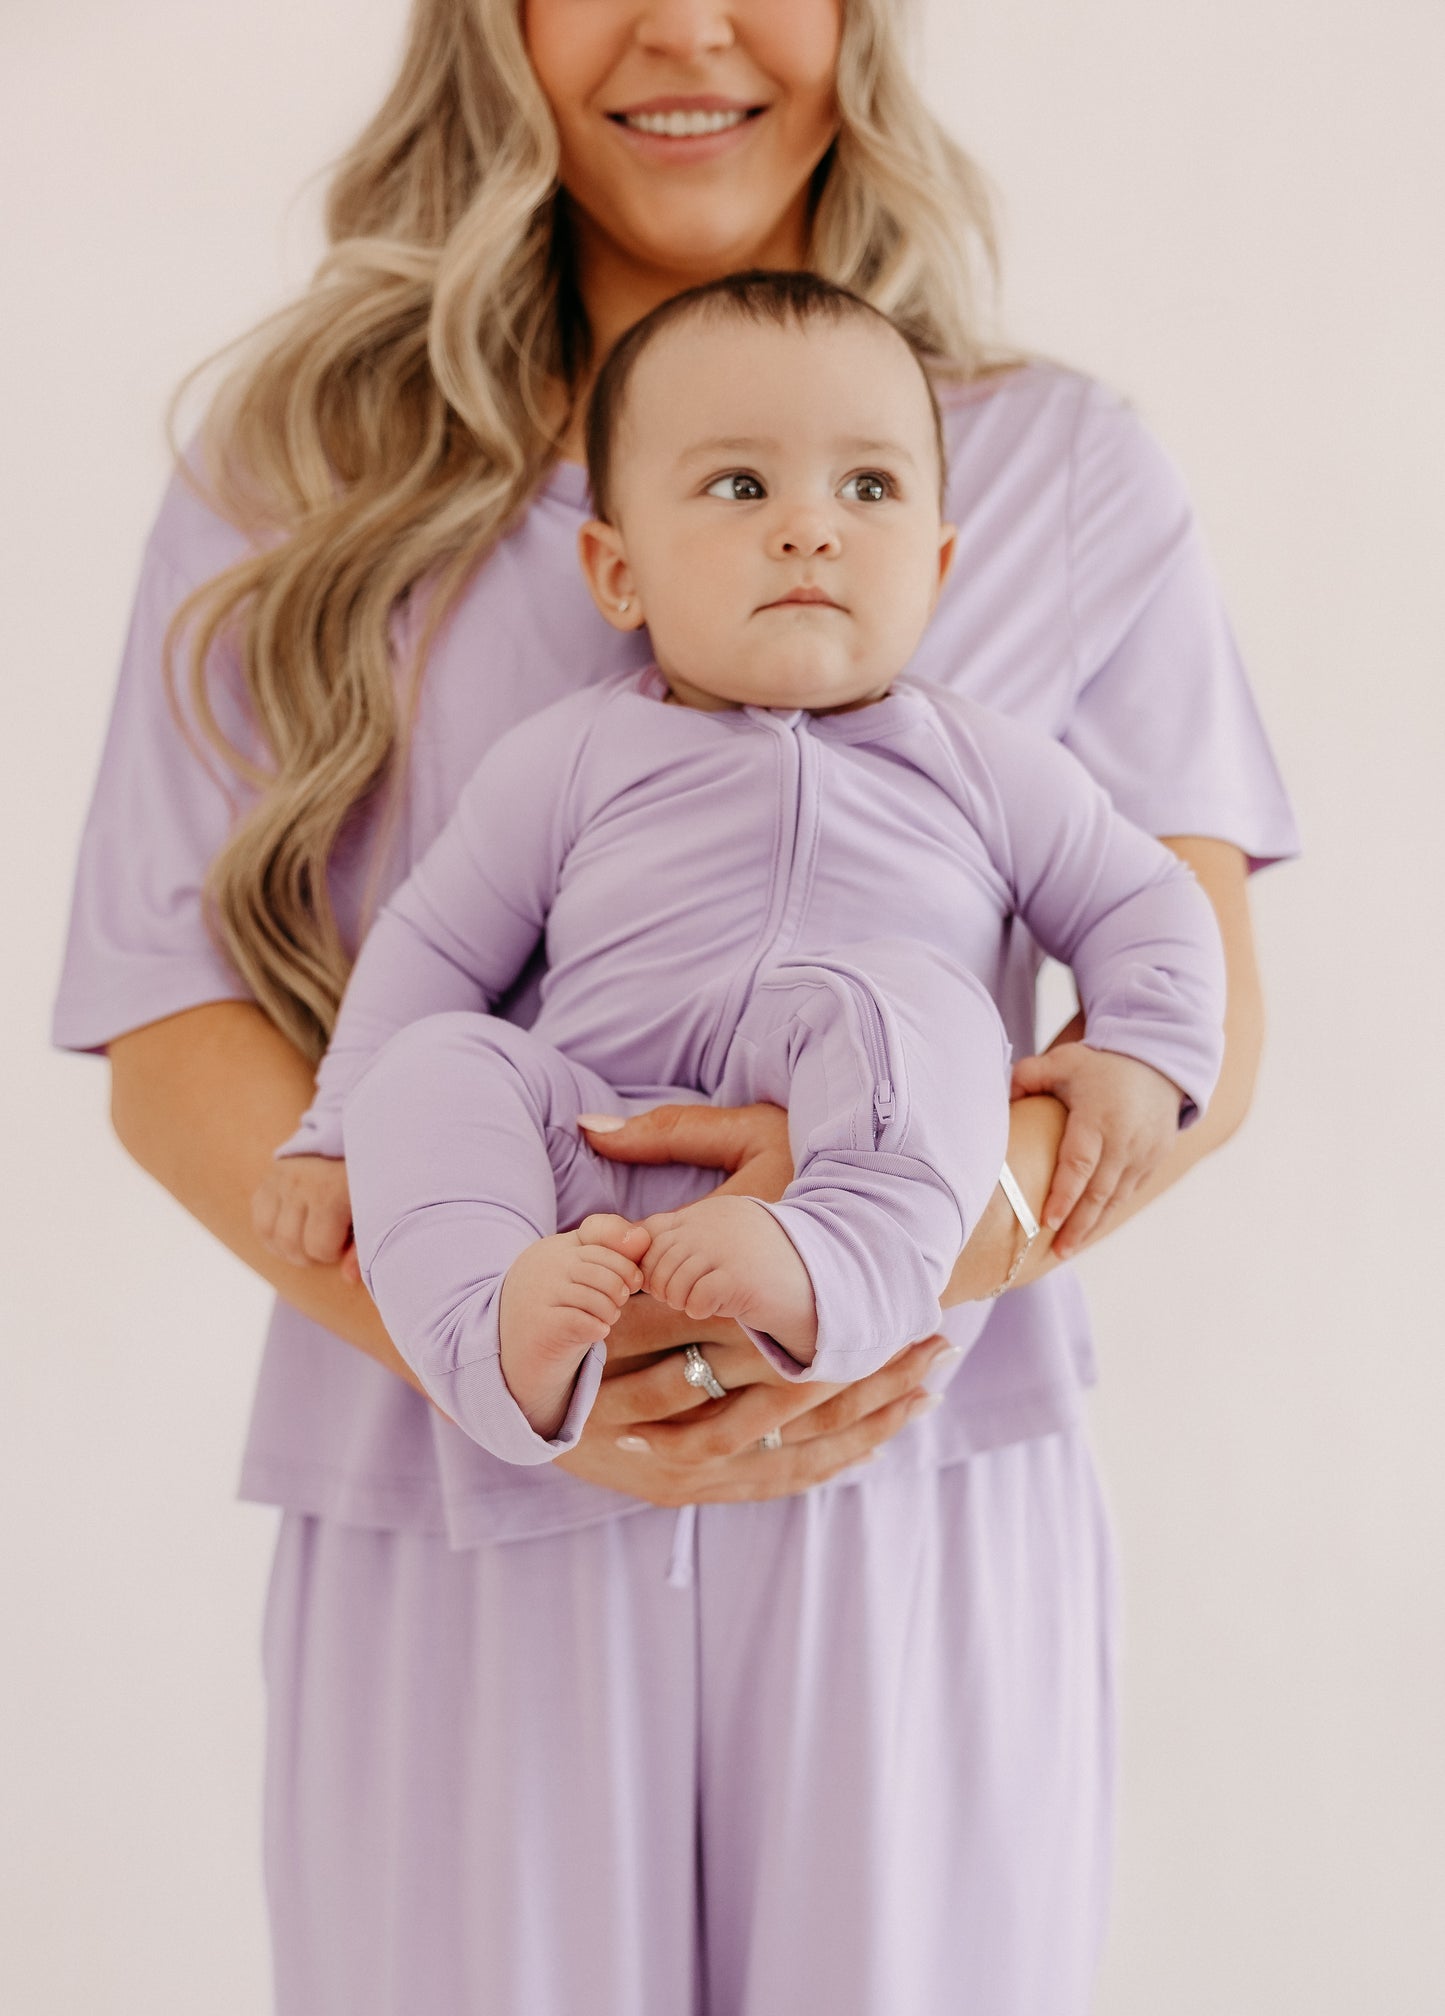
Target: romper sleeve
461	928
1162	712
138	946
1109	901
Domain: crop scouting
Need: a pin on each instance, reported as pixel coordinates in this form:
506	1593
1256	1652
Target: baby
767	867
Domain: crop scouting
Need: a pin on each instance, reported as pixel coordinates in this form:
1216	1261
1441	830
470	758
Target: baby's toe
607	1228
617	1282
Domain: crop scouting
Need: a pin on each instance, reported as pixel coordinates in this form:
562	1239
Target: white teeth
683	125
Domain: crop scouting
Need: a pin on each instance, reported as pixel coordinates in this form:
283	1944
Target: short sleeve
1163	715
138	946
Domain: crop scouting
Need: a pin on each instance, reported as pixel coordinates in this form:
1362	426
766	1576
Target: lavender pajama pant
861	1763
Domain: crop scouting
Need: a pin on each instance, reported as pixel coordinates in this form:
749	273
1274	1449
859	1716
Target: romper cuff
479	1400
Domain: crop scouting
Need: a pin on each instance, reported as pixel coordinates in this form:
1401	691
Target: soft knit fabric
859	1759
715	889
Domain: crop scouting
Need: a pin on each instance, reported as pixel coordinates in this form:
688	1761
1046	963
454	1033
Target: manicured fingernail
634	1444
600	1123
949	1355
924	1404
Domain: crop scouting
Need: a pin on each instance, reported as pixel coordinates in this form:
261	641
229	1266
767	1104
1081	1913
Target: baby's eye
873	485
737	486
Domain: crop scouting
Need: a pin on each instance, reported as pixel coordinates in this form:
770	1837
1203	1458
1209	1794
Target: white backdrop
1231	211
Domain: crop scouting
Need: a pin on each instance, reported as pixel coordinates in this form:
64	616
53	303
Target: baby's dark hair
759	295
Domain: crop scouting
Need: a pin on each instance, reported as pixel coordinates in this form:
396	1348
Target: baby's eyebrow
752	444
742	444
893	450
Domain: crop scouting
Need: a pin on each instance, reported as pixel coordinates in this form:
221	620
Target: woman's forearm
200	1100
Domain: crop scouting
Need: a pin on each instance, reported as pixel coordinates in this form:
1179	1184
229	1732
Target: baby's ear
606	572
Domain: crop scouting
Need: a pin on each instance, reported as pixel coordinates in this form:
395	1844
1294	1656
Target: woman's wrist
1036	1127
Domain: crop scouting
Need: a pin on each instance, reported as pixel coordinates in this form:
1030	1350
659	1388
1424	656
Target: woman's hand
750	1142
648	1437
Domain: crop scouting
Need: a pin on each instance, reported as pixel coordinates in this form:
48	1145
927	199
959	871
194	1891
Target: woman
847	1747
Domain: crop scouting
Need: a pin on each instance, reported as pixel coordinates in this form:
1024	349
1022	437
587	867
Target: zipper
798	758
889	1099
886	1099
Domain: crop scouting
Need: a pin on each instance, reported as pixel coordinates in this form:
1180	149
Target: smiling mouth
690	124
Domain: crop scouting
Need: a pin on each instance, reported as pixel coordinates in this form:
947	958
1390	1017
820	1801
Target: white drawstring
684	1539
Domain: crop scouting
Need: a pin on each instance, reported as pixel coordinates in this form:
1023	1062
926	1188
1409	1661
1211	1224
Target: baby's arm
1114	904
410	965
456	934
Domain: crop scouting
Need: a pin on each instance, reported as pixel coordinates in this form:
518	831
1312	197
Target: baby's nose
807	533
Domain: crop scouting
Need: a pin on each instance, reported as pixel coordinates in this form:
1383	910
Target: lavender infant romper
860	1755
713	887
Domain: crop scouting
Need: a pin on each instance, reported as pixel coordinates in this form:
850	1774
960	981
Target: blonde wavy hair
385	430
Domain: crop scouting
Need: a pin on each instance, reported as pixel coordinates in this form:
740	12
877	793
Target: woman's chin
697	233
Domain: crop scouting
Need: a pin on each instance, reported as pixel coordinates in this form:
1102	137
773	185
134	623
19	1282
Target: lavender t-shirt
1080	601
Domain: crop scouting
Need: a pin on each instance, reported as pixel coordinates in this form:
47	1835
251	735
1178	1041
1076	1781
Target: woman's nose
686	27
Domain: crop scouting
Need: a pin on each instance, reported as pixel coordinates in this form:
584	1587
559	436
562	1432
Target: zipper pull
883	1101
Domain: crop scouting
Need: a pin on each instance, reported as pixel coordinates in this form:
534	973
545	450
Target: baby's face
777	518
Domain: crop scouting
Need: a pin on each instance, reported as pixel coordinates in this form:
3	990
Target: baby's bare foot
728	1256
568	1290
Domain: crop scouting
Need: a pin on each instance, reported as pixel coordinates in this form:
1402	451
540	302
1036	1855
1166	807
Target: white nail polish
600	1123
634	1445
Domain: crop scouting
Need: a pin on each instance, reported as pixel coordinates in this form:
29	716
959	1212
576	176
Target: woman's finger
1080	1224
1079	1154
725	1428
756	1472
655	1393
851	1404
711	1137
802	1411
1110	1214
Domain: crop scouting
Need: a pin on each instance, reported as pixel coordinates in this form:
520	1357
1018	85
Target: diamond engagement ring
697	1372
772	1440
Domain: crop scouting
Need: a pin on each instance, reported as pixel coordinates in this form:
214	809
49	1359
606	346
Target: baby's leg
893	1065
464	1159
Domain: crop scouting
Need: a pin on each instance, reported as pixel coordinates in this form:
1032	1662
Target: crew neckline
857	724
